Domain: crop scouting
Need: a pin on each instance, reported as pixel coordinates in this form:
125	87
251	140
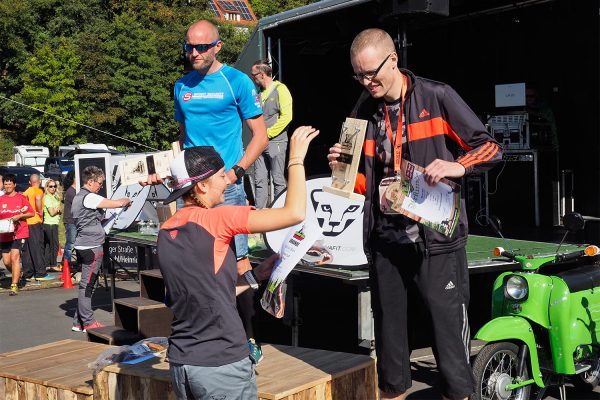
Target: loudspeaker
402	7
513	189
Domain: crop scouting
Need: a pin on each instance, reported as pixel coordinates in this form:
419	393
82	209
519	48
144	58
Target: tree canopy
107	64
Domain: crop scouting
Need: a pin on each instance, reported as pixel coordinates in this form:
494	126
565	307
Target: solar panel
213	7
235	7
227	6
243	9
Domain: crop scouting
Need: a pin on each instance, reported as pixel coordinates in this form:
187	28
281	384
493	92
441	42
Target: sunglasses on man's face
200	48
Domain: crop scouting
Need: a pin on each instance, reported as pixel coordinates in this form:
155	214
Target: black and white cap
190	166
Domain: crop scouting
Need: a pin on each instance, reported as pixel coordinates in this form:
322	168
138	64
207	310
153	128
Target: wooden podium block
55	370
286	373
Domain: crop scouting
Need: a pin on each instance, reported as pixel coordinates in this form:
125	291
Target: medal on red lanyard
396	144
389	188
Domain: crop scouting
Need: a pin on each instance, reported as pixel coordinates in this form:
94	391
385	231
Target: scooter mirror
573	221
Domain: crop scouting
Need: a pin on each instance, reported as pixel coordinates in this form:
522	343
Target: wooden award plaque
344	172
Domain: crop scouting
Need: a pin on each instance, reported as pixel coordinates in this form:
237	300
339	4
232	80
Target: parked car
22	175
57	167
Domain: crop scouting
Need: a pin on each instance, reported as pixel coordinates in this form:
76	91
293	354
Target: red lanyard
397	144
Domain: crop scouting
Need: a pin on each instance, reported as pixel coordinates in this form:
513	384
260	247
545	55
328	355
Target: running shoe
93	325
46	277
255	351
14	290
77	328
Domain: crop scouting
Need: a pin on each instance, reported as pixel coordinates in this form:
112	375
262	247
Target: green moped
545	325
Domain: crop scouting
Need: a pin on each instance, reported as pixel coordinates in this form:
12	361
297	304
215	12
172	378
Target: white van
32	156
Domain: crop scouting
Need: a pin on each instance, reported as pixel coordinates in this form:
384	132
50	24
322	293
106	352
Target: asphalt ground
43	313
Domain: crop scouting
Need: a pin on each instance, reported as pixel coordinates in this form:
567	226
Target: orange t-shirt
31	194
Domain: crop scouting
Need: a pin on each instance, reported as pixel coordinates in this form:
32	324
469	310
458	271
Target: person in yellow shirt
34	265
276	102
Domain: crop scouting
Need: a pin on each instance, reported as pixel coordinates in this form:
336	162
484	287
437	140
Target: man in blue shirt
210	103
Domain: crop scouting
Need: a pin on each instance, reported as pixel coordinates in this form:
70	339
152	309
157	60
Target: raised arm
294	209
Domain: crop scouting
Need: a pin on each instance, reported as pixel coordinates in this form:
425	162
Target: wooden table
286	373
55	370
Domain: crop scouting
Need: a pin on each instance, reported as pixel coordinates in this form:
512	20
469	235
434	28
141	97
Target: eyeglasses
254	75
100	183
51	186
200	48
370	75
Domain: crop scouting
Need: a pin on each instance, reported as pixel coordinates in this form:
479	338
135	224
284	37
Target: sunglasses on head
200	48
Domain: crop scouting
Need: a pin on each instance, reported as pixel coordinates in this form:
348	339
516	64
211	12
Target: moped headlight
516	288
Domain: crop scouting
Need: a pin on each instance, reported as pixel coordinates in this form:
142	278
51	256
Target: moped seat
581	278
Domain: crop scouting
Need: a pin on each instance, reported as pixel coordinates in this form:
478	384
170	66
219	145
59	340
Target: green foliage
107	64
49	85
6	146
264	8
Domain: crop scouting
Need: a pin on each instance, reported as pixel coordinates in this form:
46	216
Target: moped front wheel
494	368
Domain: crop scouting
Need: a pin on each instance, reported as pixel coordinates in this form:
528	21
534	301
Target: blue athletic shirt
212	107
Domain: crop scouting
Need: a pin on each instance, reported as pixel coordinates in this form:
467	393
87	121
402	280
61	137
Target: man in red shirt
16	207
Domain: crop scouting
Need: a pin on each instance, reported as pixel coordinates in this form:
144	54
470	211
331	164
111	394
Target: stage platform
55	370
59	371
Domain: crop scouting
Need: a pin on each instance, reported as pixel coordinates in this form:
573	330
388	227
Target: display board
341	220
100	160
142	198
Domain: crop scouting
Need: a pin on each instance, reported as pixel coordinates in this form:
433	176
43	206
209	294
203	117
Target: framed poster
100	160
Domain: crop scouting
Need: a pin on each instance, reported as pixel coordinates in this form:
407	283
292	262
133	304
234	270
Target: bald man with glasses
411	265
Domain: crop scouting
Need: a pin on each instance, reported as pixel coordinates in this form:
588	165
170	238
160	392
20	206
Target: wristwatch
251	279
239	171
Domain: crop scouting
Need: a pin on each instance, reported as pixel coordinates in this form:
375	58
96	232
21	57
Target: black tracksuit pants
399	274
33	253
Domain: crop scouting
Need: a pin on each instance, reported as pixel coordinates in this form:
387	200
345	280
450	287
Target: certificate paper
298	241
437	206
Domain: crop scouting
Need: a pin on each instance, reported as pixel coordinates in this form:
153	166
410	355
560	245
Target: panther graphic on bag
333	218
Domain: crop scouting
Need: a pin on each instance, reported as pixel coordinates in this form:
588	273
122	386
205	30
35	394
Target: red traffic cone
66	276
60	251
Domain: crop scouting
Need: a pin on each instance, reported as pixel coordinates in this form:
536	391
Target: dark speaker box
511	190
402	7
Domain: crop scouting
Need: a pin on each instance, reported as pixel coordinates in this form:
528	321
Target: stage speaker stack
513	189
523	189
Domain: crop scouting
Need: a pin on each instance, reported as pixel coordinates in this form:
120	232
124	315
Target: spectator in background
87	211
1	186
34	265
51	219
276	102
15	206
70	229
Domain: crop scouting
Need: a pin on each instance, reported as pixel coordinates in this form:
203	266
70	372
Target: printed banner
339	218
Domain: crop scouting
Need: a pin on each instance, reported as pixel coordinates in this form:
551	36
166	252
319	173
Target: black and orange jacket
440	125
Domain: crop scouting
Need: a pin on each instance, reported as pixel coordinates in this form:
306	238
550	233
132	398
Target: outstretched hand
299	142
153	179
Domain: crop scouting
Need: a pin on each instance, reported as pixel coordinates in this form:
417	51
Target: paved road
42	316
